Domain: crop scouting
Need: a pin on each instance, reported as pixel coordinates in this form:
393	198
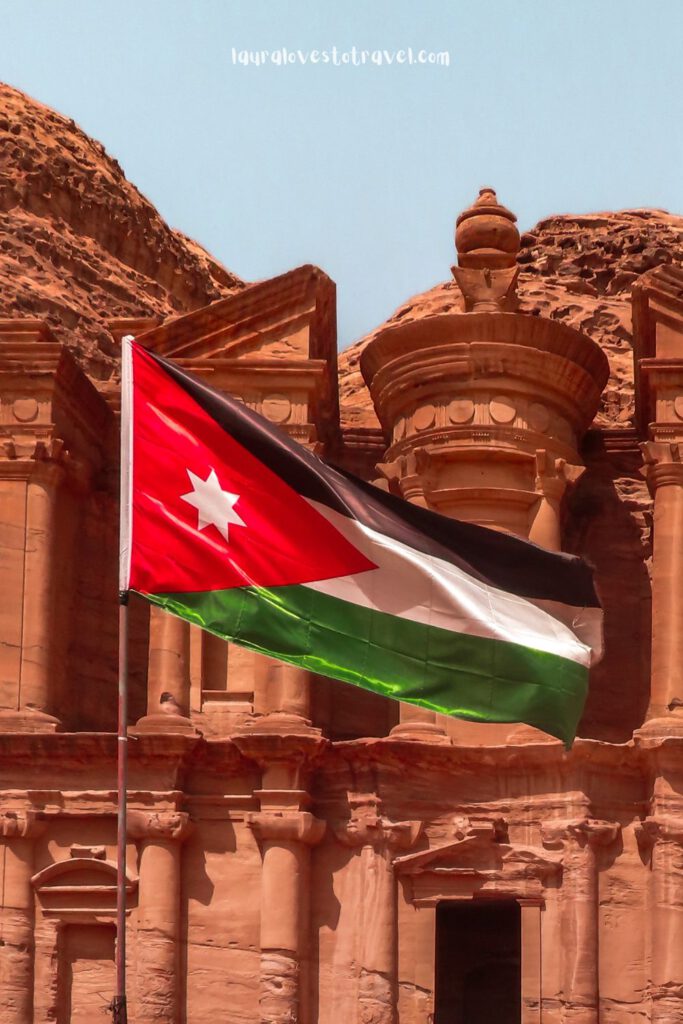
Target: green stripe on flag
471	677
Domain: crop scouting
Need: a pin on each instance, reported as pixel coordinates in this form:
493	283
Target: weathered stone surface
79	245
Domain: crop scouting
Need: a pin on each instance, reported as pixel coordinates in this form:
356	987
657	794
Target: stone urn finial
486	235
487	241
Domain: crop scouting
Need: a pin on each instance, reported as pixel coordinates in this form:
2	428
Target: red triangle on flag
208	515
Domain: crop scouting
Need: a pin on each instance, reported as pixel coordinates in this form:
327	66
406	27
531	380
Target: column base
421	732
28	720
668	724
163	723
523	734
282	723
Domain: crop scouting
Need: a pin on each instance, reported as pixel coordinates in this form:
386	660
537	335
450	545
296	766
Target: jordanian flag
231	525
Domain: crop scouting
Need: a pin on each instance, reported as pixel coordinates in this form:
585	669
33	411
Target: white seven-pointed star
214	505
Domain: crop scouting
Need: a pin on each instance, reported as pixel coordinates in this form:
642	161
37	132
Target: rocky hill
79	245
577	269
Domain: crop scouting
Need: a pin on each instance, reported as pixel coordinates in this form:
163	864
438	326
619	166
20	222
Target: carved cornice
159	825
287	827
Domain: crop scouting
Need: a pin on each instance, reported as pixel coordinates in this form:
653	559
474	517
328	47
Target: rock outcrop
79	245
575	269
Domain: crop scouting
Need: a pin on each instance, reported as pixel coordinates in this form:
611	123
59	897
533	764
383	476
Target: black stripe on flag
505	562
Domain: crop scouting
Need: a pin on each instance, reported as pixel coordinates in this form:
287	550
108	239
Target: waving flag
233	526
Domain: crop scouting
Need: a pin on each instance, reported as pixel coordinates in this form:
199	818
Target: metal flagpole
119	1007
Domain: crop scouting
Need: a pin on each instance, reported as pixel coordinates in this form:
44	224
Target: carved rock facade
292	842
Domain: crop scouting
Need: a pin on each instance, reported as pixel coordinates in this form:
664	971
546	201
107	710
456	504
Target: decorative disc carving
461	410
502	409
539	417
276	408
678	406
25	409
424	417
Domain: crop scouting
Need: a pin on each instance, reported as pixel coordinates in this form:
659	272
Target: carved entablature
50	413
480	864
272	345
158	825
657	299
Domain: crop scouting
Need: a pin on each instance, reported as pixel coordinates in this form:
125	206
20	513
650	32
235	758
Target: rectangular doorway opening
478	963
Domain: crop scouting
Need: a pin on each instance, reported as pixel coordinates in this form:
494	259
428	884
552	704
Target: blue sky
562	105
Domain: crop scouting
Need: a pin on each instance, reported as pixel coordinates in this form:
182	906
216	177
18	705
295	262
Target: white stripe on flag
429	590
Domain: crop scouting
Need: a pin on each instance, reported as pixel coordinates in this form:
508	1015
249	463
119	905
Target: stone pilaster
377	840
664	473
53	429
580	840
18	831
160	835
663	839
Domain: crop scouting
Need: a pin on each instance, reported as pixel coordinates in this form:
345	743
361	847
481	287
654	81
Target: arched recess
75	936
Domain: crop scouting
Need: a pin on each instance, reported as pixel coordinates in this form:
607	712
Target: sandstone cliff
79	245
577	269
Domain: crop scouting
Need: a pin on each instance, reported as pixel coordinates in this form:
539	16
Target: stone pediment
479	863
287	317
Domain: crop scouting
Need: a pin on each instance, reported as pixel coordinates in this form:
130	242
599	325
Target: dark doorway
478	963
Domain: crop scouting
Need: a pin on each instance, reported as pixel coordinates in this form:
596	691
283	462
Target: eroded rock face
79	245
576	269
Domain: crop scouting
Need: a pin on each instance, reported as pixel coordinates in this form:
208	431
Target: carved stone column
664	840
285	695
664	473
552	478
18	830
580	840
285	837
286	831
158	917
377	839
168	678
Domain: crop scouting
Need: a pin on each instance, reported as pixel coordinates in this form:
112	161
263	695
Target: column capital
589	832
287	827
553	476
22	823
266	748
367	826
662	463
159	825
652	830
